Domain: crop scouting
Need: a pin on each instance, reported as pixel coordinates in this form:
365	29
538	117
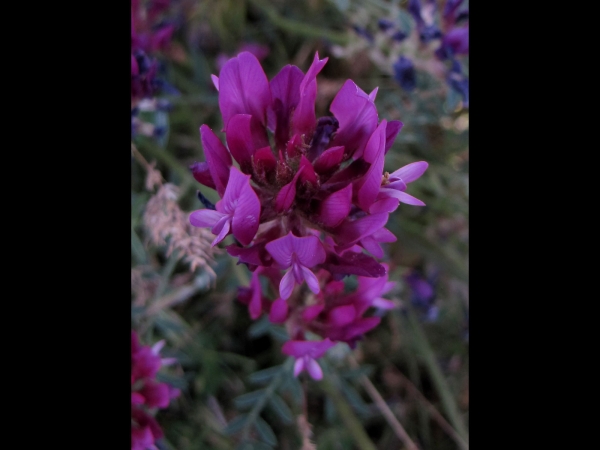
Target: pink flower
306	354
146	393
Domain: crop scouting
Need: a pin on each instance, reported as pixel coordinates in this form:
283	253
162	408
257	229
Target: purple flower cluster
147	37
147	395
309	209
452	34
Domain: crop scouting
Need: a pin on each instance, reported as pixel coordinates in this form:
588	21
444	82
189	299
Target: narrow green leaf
247	400
265	432
281	409
235	425
264	376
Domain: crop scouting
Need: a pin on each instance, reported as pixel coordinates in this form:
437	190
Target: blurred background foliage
238	391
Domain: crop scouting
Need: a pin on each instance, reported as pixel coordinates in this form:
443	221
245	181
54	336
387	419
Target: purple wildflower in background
423	294
309	207
404	73
147	395
306	353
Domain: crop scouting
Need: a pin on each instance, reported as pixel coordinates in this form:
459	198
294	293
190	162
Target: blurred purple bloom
385	24
404	73
306	354
423	294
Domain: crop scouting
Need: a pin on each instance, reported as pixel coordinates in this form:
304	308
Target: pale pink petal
287	194
205	218
408	199
286	285
313	368
410	172
298	366
357	116
304	116
309	250
311	280
215	80
329	159
243	88
391	131
217	157
279	311
335	208
383	303
244	135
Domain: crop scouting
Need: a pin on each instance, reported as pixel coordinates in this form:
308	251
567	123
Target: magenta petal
215	80
222	228
243	89
384	235
335	208
313	369
368	186
263	158
311	312
410	172
376	144
202	174
244	136
285	89
329	159
287	194
205	218
399	185
255	306
357	116
281	250
385	204
373	94
247	214
279	311
298	366
137	398
351	232
304	115
308	173
217	157
237	183
408	199
314	349
286	285
372	246
311	280
391	131
309	250
341	316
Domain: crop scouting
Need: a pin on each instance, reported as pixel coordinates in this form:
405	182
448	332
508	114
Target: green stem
300	28
352	422
425	351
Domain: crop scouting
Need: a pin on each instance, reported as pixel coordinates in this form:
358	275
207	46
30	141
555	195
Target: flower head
309	202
